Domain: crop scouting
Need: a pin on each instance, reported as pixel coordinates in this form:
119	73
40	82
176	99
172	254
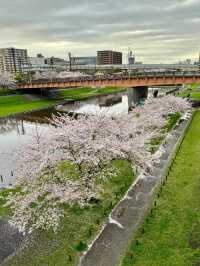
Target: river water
17	130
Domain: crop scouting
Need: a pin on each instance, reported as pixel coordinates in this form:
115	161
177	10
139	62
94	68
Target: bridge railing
116	77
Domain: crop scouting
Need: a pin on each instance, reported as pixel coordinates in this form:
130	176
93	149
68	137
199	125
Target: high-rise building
12	60
109	58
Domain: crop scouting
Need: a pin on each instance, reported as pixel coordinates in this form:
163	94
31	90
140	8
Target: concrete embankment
127	216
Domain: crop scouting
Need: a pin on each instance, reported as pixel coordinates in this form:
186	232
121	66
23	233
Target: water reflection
13	134
17	130
8	124
106	104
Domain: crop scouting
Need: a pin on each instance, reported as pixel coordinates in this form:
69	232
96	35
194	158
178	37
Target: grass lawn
193	94
171	236
171	122
19	103
84	93
78	227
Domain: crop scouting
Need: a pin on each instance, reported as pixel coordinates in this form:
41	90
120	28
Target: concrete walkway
125	219
10	240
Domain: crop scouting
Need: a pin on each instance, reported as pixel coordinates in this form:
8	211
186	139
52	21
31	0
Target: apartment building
12	59
109	58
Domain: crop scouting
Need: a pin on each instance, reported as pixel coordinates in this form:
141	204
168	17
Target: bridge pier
135	95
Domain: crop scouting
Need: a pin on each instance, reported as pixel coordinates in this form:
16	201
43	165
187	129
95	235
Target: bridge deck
144	81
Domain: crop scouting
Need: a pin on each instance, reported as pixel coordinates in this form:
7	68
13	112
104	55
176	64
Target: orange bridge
133	82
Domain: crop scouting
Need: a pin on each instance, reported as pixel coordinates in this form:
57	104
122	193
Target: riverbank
77	229
93	215
170	235
195	95
14	104
7	92
10	105
88	92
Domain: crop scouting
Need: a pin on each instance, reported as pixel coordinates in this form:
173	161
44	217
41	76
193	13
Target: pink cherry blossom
88	144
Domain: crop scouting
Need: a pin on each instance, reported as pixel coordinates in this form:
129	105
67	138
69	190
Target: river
19	129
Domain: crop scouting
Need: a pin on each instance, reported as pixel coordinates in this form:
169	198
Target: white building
12	60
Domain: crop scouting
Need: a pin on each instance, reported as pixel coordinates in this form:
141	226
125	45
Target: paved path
10	240
123	222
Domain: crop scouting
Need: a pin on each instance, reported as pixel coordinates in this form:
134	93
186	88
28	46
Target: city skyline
156	33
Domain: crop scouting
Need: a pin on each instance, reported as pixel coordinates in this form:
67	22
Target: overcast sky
156	30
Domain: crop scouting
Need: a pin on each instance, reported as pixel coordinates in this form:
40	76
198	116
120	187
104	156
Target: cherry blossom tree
50	74
6	81
86	145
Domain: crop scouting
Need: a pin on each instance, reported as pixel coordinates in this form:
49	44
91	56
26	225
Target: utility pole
51	73
128	63
199	62
130	54
51	63
29	71
70	61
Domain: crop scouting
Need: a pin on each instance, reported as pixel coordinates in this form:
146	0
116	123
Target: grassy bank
79	226
19	103
193	94
171	235
84	93
171	122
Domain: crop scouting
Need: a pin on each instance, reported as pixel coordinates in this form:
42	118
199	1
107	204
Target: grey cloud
159	31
